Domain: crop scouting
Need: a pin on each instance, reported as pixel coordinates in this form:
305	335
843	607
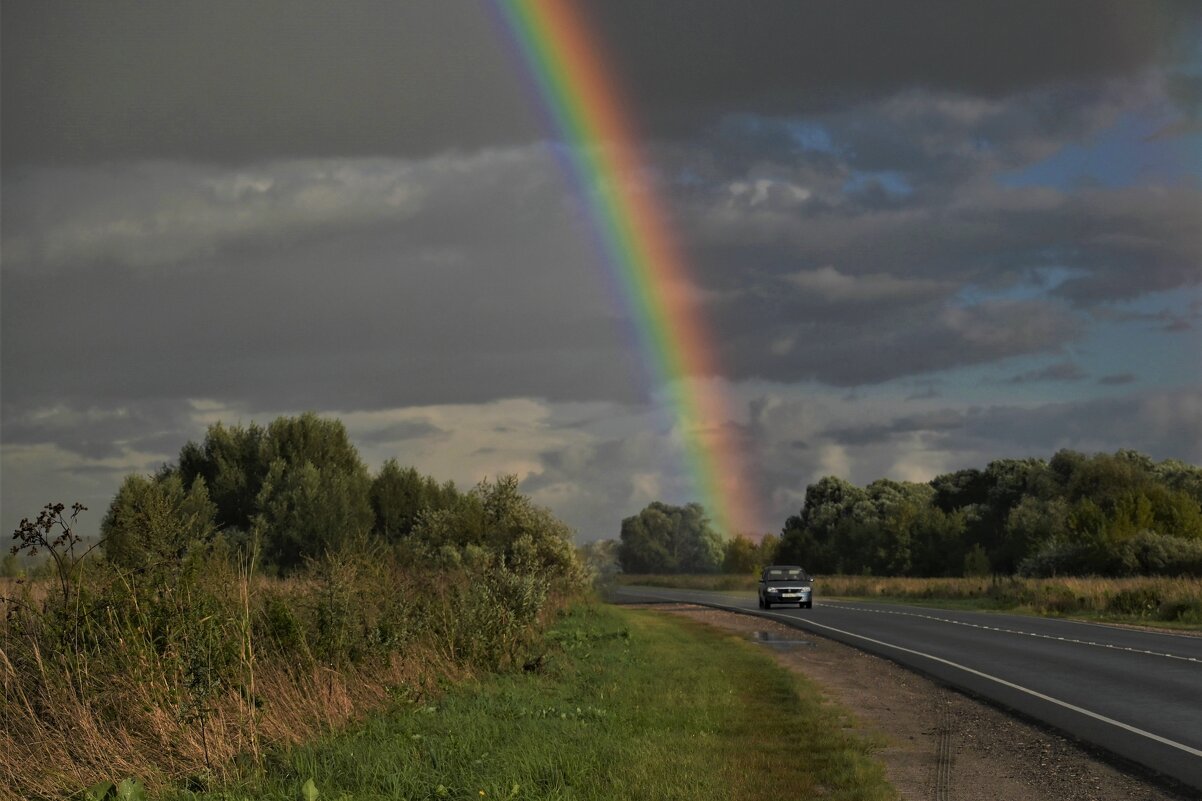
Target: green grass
626	705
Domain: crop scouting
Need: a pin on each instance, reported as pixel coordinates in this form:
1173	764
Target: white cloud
829	285
768	191
156	214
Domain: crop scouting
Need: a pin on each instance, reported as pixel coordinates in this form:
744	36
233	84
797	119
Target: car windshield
785	574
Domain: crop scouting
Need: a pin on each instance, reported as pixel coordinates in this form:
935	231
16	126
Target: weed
177	670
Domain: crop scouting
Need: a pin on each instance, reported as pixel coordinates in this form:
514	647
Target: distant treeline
296	490
1107	515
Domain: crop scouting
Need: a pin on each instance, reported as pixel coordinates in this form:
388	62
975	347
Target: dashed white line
1000	629
808	621
1034	693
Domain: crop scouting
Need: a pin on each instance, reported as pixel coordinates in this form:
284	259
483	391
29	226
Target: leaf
309	790
130	790
100	791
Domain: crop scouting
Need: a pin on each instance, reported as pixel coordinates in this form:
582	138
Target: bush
1139	601
174	667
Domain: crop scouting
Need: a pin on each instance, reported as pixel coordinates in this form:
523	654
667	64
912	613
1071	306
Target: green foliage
159	645
745	555
399	496
599	559
307	510
741	555
153	519
976	563
10	566
232	463
315	498
670	539
298	486
1119	514
125	790
496	518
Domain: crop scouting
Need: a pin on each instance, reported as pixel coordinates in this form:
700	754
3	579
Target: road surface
1134	693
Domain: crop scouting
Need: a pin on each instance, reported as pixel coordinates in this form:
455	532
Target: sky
923	235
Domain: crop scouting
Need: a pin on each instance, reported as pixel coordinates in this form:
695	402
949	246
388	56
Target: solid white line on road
849	607
1027	690
1080	710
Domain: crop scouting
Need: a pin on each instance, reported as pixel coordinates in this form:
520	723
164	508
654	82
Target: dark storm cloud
937	421
779	57
1165	425
950	219
1060	371
98	431
233	81
874	343
919	445
1117	379
87	82
297	285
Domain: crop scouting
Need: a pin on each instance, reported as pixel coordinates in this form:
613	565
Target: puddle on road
781	642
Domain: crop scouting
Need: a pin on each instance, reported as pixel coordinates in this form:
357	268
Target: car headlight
773	589
805	589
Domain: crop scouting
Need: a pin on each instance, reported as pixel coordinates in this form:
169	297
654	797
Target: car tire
760	601
809	605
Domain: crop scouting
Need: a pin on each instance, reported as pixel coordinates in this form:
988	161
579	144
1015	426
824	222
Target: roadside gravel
942	744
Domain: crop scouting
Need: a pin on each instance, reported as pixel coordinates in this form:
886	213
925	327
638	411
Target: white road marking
1065	704
809	621
1000	629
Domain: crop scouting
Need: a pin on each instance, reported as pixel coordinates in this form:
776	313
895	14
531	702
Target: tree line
168	647
1075	514
296	490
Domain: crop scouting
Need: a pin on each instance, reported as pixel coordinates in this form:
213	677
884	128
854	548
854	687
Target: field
197	673
622	705
1163	601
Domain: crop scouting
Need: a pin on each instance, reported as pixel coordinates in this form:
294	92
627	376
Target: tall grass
624	705
1145	599
182	671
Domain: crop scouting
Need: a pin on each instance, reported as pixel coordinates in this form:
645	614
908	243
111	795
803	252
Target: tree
399	495
154	520
741	556
670	539
959	489
500	521
316	495
599	558
10	566
231	462
825	536
939	543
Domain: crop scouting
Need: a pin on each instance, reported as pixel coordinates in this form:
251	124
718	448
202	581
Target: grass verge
1147	600
626	705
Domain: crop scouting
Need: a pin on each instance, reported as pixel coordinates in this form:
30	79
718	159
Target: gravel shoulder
942	744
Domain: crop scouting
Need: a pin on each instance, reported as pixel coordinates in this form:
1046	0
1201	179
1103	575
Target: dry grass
1170	600
134	699
1175	601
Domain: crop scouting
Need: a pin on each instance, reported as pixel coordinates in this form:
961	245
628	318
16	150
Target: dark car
786	584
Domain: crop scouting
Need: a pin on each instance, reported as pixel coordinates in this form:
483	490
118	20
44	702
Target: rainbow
604	164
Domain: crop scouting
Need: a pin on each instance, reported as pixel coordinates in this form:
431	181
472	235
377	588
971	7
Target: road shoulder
942	744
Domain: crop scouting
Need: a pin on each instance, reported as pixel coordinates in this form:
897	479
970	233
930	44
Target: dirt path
943	745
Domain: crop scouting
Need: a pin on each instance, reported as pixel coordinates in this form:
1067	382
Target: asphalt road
1134	693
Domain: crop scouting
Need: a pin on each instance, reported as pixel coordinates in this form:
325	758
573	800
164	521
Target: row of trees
1119	514
297	489
680	539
